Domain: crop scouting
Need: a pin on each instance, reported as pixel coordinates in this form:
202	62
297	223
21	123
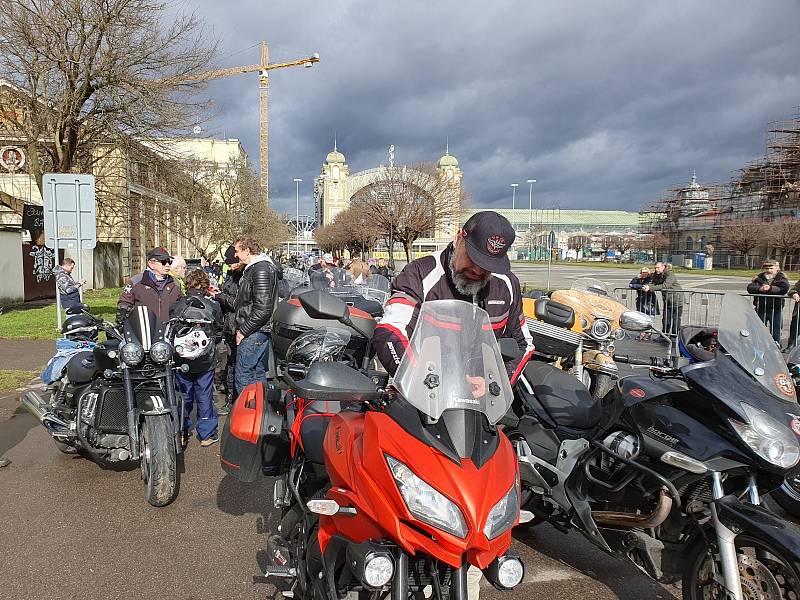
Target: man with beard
474	268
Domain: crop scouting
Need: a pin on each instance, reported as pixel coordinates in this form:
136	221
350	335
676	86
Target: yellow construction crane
263	84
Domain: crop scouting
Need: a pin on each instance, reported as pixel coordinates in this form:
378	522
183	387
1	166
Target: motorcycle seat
554	313
565	399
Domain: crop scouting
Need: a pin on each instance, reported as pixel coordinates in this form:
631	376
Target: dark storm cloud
605	104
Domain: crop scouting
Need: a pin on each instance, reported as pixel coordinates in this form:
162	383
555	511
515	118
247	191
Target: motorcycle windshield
746	339
376	287
589	284
794	357
142	327
453	362
332	280
294	278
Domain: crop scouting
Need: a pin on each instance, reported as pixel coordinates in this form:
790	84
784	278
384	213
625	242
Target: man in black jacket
255	302
227	301
770	282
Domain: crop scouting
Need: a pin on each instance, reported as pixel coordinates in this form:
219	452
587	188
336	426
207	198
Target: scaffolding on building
684	220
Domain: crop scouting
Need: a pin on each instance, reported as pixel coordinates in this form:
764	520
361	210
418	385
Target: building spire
447	146
694	176
334	142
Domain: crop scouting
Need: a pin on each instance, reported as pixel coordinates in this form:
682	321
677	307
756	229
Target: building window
689	243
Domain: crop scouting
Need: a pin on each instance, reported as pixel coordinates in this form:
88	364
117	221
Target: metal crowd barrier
702	309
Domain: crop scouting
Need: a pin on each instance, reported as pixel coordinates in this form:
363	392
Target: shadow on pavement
14	430
615	573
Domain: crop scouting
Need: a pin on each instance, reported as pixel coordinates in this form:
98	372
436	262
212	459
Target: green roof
564	217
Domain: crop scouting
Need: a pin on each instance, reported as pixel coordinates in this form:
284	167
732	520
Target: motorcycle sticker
785	384
637	393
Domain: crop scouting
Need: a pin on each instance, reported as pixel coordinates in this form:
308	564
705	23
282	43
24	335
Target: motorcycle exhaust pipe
40	409
654	519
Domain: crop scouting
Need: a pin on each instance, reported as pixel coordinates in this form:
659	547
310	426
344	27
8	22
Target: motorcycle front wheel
764	571
159	462
788	495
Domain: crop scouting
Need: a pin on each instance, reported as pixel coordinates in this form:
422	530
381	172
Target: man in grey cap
154	288
320	275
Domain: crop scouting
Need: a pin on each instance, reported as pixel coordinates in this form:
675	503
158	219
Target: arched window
689	243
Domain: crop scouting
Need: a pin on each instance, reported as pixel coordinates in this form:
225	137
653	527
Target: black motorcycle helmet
319	345
80	328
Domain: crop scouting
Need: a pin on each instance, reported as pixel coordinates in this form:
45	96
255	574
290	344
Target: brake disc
758	583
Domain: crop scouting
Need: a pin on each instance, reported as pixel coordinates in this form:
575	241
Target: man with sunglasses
154	288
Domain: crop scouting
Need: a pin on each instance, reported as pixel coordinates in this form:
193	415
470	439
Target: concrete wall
12	285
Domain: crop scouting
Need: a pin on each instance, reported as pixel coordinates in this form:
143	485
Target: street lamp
530	218
297	215
514	187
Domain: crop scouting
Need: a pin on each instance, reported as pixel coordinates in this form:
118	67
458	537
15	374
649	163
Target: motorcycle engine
622	443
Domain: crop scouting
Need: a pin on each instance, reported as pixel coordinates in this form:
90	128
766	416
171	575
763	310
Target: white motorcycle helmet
192	342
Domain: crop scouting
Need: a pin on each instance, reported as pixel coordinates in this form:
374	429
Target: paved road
70	529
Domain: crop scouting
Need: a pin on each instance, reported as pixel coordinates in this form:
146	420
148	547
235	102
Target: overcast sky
606	104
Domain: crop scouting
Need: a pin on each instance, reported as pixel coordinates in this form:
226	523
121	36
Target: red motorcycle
387	492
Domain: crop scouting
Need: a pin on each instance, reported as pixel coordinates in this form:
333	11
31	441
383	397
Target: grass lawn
22	322
11	380
634	267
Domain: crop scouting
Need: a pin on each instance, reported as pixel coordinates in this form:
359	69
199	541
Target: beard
465	286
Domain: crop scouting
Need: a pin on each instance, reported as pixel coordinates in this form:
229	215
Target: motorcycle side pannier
254	438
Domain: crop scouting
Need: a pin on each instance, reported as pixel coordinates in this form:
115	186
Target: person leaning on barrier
794	294
770	282
646	302
664	281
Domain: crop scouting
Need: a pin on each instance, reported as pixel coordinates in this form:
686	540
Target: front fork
726	540
133	421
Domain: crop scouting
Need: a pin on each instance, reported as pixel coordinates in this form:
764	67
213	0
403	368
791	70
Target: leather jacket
227	301
255	300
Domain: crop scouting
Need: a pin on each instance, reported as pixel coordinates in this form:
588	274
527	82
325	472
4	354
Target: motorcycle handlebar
652	362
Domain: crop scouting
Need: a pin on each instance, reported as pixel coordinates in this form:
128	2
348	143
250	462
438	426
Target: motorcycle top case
290	320
254	438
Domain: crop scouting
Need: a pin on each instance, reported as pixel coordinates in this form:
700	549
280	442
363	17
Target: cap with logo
159	254
488	236
328	258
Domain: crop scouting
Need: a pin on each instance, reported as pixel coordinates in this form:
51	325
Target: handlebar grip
633	361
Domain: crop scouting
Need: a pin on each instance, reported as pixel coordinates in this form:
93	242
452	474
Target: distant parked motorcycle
115	400
575	329
667	470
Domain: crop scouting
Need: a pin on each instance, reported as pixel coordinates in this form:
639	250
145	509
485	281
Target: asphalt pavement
70	529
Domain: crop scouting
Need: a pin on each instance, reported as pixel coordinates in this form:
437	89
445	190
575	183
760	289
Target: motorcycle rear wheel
764	571
788	495
159	462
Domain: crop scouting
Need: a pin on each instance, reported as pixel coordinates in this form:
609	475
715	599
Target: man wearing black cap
474	268
154	288
227	300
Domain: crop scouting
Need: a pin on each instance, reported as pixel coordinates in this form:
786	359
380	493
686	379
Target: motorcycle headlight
132	354
768	438
601	329
425	503
503	514
160	352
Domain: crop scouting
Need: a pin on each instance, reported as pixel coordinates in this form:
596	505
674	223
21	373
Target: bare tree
784	236
358	231
744	235
579	241
410	202
94	75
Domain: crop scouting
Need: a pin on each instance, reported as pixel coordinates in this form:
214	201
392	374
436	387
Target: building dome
447	161
335	157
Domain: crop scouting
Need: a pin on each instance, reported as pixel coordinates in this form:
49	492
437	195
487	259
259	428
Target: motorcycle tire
159	462
65	448
601	385
788	495
755	555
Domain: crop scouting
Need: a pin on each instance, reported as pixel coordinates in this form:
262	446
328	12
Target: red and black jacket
428	278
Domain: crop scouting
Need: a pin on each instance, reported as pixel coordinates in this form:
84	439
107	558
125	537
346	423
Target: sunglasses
165	261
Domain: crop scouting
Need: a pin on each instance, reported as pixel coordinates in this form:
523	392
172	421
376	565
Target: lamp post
514	187
297	215
530	218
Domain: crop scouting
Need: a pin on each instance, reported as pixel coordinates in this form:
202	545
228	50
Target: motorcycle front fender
153	403
742	517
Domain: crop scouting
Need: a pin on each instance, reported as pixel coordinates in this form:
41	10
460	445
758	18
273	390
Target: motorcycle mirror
78	309
509	349
321	305
633	320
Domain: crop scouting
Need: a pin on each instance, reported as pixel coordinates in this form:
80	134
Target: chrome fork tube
752	491
725	541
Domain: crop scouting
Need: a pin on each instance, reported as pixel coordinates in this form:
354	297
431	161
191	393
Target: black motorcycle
788	494
667	470
117	402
